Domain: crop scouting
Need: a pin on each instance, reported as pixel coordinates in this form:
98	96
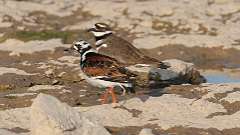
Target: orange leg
104	97
111	91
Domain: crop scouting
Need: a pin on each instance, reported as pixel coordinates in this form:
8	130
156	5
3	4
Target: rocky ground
35	36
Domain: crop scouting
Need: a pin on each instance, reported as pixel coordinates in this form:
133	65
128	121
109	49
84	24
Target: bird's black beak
69	50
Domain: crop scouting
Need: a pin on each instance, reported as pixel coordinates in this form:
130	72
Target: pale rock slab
6	70
146	131
178	66
51	117
178	72
232	97
45	87
166	111
221	1
18	117
16	47
6	132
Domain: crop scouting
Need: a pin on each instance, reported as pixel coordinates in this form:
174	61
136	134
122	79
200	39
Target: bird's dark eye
78	46
85	43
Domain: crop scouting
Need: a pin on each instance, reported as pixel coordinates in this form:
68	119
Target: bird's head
100	29
81	46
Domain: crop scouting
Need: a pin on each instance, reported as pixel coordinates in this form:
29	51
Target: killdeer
111	45
100	31
103	71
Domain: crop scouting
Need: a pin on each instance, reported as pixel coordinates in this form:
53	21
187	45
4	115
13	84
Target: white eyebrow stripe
75	47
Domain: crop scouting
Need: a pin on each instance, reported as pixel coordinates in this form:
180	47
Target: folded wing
105	68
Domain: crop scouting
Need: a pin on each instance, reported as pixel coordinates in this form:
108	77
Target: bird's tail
127	89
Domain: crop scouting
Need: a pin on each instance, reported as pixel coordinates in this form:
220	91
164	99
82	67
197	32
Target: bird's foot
115	105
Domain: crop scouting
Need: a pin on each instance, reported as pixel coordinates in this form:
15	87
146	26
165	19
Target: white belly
103	84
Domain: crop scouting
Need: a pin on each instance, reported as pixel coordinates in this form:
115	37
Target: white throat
99	34
101	46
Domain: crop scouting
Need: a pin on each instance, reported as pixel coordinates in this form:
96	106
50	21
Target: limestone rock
178	66
146	131
178	72
176	109
186	73
221	1
142	72
6	132
51	117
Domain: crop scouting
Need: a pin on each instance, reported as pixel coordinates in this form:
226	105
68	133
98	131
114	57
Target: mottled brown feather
101	65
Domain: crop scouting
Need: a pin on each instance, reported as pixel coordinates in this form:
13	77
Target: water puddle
222	76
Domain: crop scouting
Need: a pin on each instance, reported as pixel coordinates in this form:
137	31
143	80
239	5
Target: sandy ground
201	32
154	23
166	28
208	108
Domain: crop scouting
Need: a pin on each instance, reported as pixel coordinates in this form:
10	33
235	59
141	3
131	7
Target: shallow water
224	76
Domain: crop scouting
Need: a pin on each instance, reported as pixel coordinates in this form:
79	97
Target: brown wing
101	65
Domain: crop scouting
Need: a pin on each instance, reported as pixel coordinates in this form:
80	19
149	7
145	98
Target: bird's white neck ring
83	56
99	34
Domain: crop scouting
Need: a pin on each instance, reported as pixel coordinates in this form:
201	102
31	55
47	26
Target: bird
100	31
103	71
108	43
